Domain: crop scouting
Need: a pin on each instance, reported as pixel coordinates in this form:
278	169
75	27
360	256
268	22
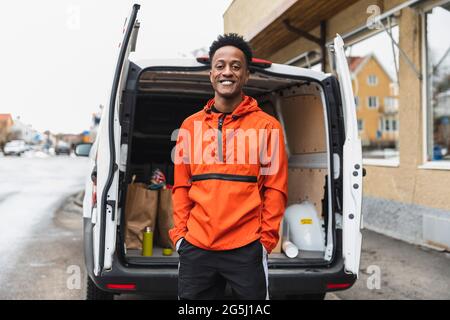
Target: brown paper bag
140	212
165	218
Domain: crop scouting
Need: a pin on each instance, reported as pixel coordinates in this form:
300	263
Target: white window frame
428	164
377	102
381	124
391	102
387	101
370	83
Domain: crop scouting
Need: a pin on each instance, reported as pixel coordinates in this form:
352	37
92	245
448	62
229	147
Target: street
36	247
41	249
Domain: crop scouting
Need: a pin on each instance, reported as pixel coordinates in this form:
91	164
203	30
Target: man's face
229	72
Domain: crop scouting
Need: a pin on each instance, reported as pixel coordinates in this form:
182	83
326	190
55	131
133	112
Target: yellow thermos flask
147	243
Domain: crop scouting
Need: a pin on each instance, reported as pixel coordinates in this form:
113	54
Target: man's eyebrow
232	61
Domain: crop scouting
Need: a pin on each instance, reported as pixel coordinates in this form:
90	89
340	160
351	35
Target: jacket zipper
219	138
223	176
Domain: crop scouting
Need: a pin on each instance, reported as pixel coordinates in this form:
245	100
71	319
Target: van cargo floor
304	258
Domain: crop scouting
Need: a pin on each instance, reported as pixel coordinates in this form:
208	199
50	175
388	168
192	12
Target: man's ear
247	75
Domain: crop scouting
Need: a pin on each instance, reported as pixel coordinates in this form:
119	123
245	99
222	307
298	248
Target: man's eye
219	66
236	67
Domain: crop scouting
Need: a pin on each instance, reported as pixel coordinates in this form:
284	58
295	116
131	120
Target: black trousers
203	274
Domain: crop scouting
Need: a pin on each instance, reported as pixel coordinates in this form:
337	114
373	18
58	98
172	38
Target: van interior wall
156	117
303	116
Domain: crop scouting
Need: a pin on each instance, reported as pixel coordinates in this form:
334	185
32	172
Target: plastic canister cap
167	251
148	229
290	249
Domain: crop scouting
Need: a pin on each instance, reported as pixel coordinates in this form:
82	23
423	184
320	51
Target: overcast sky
57	56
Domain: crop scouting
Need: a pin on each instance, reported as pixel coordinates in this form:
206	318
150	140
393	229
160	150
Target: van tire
94	293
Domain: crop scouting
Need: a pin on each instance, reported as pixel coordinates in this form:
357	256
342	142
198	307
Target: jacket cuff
176	235
268	245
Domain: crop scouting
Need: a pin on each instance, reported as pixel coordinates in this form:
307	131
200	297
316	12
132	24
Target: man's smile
226	82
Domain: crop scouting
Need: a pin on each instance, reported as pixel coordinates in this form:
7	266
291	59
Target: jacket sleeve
274	189
182	204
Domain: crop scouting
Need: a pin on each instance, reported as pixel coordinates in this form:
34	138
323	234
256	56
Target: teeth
227	83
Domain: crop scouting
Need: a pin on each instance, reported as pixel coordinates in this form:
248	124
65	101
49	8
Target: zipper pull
221	122
219	138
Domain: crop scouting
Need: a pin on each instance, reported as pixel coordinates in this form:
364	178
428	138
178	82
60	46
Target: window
360	125
372	102
394	125
391	102
356	101
372	80
373	61
437	53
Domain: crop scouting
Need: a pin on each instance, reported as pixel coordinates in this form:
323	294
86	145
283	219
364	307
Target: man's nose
227	71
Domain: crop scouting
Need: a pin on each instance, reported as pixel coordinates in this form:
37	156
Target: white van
150	99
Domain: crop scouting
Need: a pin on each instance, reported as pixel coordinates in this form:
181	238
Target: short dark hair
231	39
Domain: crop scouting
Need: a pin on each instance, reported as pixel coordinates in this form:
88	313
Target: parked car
62	148
150	99
15	147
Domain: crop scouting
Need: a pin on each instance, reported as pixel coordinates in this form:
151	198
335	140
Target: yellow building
376	100
6	123
407	196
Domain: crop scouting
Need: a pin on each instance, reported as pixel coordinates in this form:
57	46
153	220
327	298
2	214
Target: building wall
407	182
244	17
345	21
404	201
6	123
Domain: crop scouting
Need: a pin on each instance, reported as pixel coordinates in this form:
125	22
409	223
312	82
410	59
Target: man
229	194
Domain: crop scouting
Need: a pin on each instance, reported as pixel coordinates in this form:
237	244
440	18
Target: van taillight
338	285
94	186
94	194
121	286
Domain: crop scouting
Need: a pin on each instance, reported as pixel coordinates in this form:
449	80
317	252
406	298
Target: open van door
352	166
105	218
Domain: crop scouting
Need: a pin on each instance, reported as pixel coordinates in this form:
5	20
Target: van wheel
94	293
311	296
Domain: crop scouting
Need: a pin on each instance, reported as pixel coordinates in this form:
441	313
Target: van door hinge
112	204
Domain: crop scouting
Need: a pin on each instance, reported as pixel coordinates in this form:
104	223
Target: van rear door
352	165
105	221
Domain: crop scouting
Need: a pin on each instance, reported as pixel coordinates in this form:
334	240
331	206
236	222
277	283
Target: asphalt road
37	244
42	257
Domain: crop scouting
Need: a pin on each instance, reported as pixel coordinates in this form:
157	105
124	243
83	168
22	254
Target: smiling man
227	212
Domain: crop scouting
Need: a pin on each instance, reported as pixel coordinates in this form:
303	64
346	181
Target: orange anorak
230	183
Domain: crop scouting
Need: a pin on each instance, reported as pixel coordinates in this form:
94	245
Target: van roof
280	69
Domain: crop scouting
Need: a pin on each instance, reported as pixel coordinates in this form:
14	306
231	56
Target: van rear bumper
163	281
282	281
